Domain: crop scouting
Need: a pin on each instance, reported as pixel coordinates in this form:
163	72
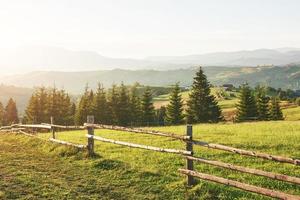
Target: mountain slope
20	94
44	58
74	82
239	58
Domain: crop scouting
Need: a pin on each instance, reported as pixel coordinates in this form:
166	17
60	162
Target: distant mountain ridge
20	94
239	58
44	58
287	77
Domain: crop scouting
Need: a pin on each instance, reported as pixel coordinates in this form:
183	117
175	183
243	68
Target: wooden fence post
52	127
189	147
90	120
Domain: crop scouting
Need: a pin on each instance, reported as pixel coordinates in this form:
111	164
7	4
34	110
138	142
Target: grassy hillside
34	169
225	99
74	82
291	114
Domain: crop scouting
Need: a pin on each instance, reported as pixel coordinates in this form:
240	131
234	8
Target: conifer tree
275	110
123	108
46	103
11	112
65	106
84	107
161	116
135	106
53	105
262	104
246	105
100	106
1	114
72	114
113	104
32	110
148	112
202	106
42	101
174	111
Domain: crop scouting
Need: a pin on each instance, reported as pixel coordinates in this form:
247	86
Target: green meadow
32	168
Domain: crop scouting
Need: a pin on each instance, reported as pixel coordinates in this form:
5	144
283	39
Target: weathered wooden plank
41	126
138	130
140	146
12	130
65	127
258	172
248	153
81	146
243	186
28	134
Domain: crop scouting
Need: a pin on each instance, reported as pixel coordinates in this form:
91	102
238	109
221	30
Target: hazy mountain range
44	58
279	77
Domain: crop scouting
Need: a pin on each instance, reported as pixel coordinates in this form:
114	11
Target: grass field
292	114
35	169
230	102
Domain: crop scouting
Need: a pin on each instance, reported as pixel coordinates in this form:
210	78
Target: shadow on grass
109	164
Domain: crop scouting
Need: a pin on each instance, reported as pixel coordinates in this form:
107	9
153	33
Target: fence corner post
90	128
52	127
189	147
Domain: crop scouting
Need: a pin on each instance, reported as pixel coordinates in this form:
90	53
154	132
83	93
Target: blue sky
140	28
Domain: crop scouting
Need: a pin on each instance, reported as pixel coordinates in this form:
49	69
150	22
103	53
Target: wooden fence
188	154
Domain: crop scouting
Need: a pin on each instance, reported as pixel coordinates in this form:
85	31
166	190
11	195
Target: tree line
256	105
9	113
50	102
125	106
122	105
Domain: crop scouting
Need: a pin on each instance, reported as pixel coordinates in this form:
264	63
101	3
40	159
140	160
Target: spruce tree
148	112
113	104
202	106
65	106
161	114
84	107
11	112
135	106
262	103
52	104
1	114
42	100
275	110
174	111
246	106
123	108
100	106
32	110
46	103
72	114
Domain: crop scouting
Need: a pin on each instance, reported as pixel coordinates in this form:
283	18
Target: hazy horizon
137	29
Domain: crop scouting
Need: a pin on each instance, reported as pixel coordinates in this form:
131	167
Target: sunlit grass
278	138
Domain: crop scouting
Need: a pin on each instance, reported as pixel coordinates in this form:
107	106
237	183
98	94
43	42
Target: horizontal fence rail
137	130
187	153
139	145
28	134
248	153
243	186
38	126
81	146
65	127
258	172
